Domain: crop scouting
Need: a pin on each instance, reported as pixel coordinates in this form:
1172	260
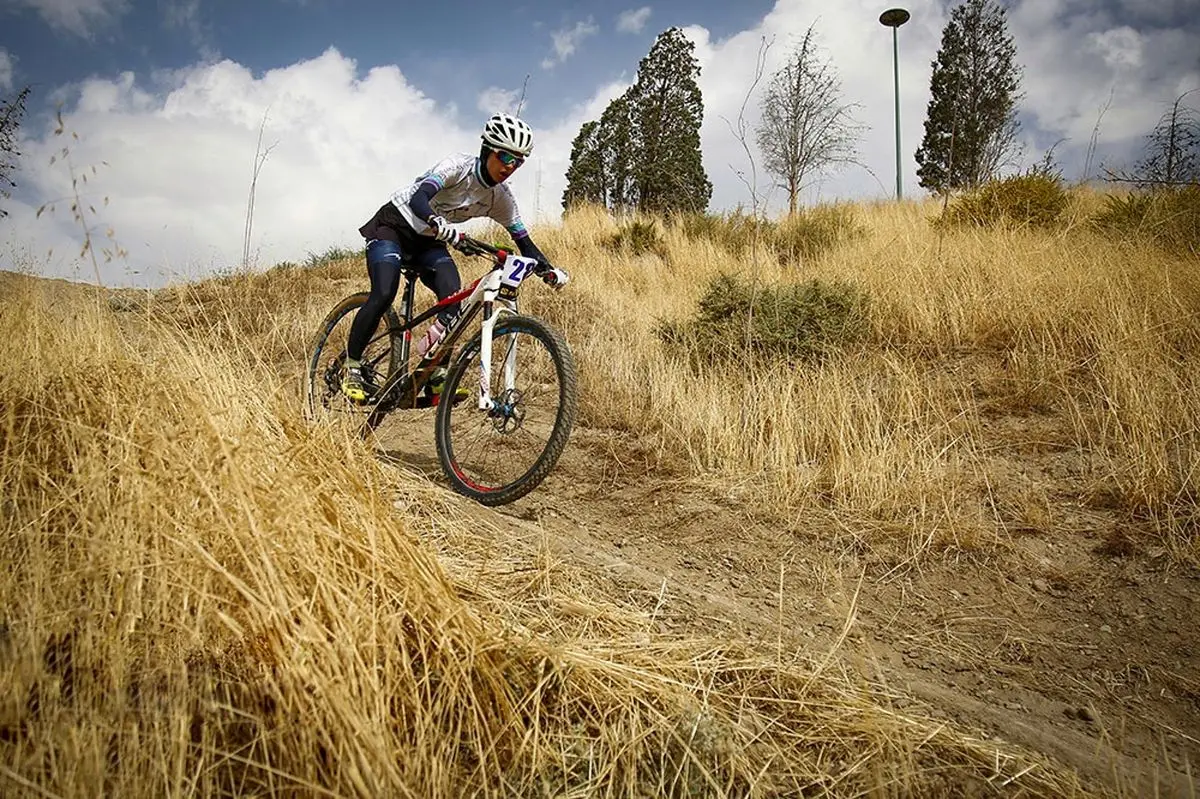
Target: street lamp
894	18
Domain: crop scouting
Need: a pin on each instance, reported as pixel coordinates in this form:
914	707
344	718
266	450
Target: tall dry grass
204	596
1079	349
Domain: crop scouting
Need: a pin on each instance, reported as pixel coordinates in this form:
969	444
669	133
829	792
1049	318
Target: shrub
1035	199
815	230
793	322
737	231
1168	217
697	226
637	237
803	235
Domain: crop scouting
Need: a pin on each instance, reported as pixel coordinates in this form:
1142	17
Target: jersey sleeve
419	202
444	173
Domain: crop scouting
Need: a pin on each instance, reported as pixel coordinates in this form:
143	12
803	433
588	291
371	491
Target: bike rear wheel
498	456
383	355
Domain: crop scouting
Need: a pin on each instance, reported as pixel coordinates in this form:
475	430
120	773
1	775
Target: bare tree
805	127
1172	151
260	158
11	112
1173	148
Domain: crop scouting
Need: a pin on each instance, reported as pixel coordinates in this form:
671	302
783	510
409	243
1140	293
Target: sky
163	116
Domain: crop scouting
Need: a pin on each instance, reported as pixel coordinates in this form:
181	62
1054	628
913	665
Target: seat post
410	287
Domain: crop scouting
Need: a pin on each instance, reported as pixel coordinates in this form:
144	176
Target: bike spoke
326	366
497	450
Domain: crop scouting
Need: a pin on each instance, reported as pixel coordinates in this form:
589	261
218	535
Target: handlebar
550	275
473	246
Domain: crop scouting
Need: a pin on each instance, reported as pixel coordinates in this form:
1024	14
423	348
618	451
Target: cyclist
423	217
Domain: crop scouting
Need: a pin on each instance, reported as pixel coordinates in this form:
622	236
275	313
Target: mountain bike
497	438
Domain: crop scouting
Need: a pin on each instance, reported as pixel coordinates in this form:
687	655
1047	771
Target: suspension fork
493	310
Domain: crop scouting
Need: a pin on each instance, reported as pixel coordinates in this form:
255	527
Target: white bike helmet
505	132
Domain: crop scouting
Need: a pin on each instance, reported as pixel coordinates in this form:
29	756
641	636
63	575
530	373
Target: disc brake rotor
506	414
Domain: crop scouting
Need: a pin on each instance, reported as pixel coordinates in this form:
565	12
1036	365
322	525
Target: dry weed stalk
203	595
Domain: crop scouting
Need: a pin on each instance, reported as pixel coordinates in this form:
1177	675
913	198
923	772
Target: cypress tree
971	121
645	151
667	109
620	148
586	175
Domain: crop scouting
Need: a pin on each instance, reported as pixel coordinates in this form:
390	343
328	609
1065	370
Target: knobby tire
529	331
317	391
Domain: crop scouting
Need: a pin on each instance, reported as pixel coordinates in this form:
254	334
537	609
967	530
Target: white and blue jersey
461	194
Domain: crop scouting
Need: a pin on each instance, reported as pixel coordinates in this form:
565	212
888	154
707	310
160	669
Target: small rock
1104	628
1041	585
1083	714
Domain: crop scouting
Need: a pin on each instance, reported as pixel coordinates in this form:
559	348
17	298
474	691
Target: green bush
1035	199
735	231
815	230
806	234
637	237
736	321
1168	217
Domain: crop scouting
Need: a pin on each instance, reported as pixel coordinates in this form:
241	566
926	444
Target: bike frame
493	295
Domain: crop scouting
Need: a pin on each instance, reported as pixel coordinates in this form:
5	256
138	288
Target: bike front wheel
499	455
383	355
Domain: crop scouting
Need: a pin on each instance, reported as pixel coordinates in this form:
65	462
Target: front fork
493	309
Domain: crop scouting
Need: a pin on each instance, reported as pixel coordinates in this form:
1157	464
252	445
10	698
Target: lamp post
894	18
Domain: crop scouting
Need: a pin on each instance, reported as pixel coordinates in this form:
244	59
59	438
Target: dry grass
204	596
975	333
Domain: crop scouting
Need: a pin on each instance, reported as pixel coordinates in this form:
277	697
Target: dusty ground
1072	643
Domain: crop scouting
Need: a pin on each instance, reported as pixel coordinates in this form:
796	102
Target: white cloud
179	164
6	70
634	20
1066	81
1119	47
567	40
80	17
494	99
180	146
1078	62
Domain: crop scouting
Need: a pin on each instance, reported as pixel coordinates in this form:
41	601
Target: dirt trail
1088	656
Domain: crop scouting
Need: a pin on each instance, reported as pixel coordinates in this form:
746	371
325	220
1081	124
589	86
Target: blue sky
449	51
167	98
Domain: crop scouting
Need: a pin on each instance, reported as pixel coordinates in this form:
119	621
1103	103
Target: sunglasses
508	159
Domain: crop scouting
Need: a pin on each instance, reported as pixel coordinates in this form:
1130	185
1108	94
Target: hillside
953	555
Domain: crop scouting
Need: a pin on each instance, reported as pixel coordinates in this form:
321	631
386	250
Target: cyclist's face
499	170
